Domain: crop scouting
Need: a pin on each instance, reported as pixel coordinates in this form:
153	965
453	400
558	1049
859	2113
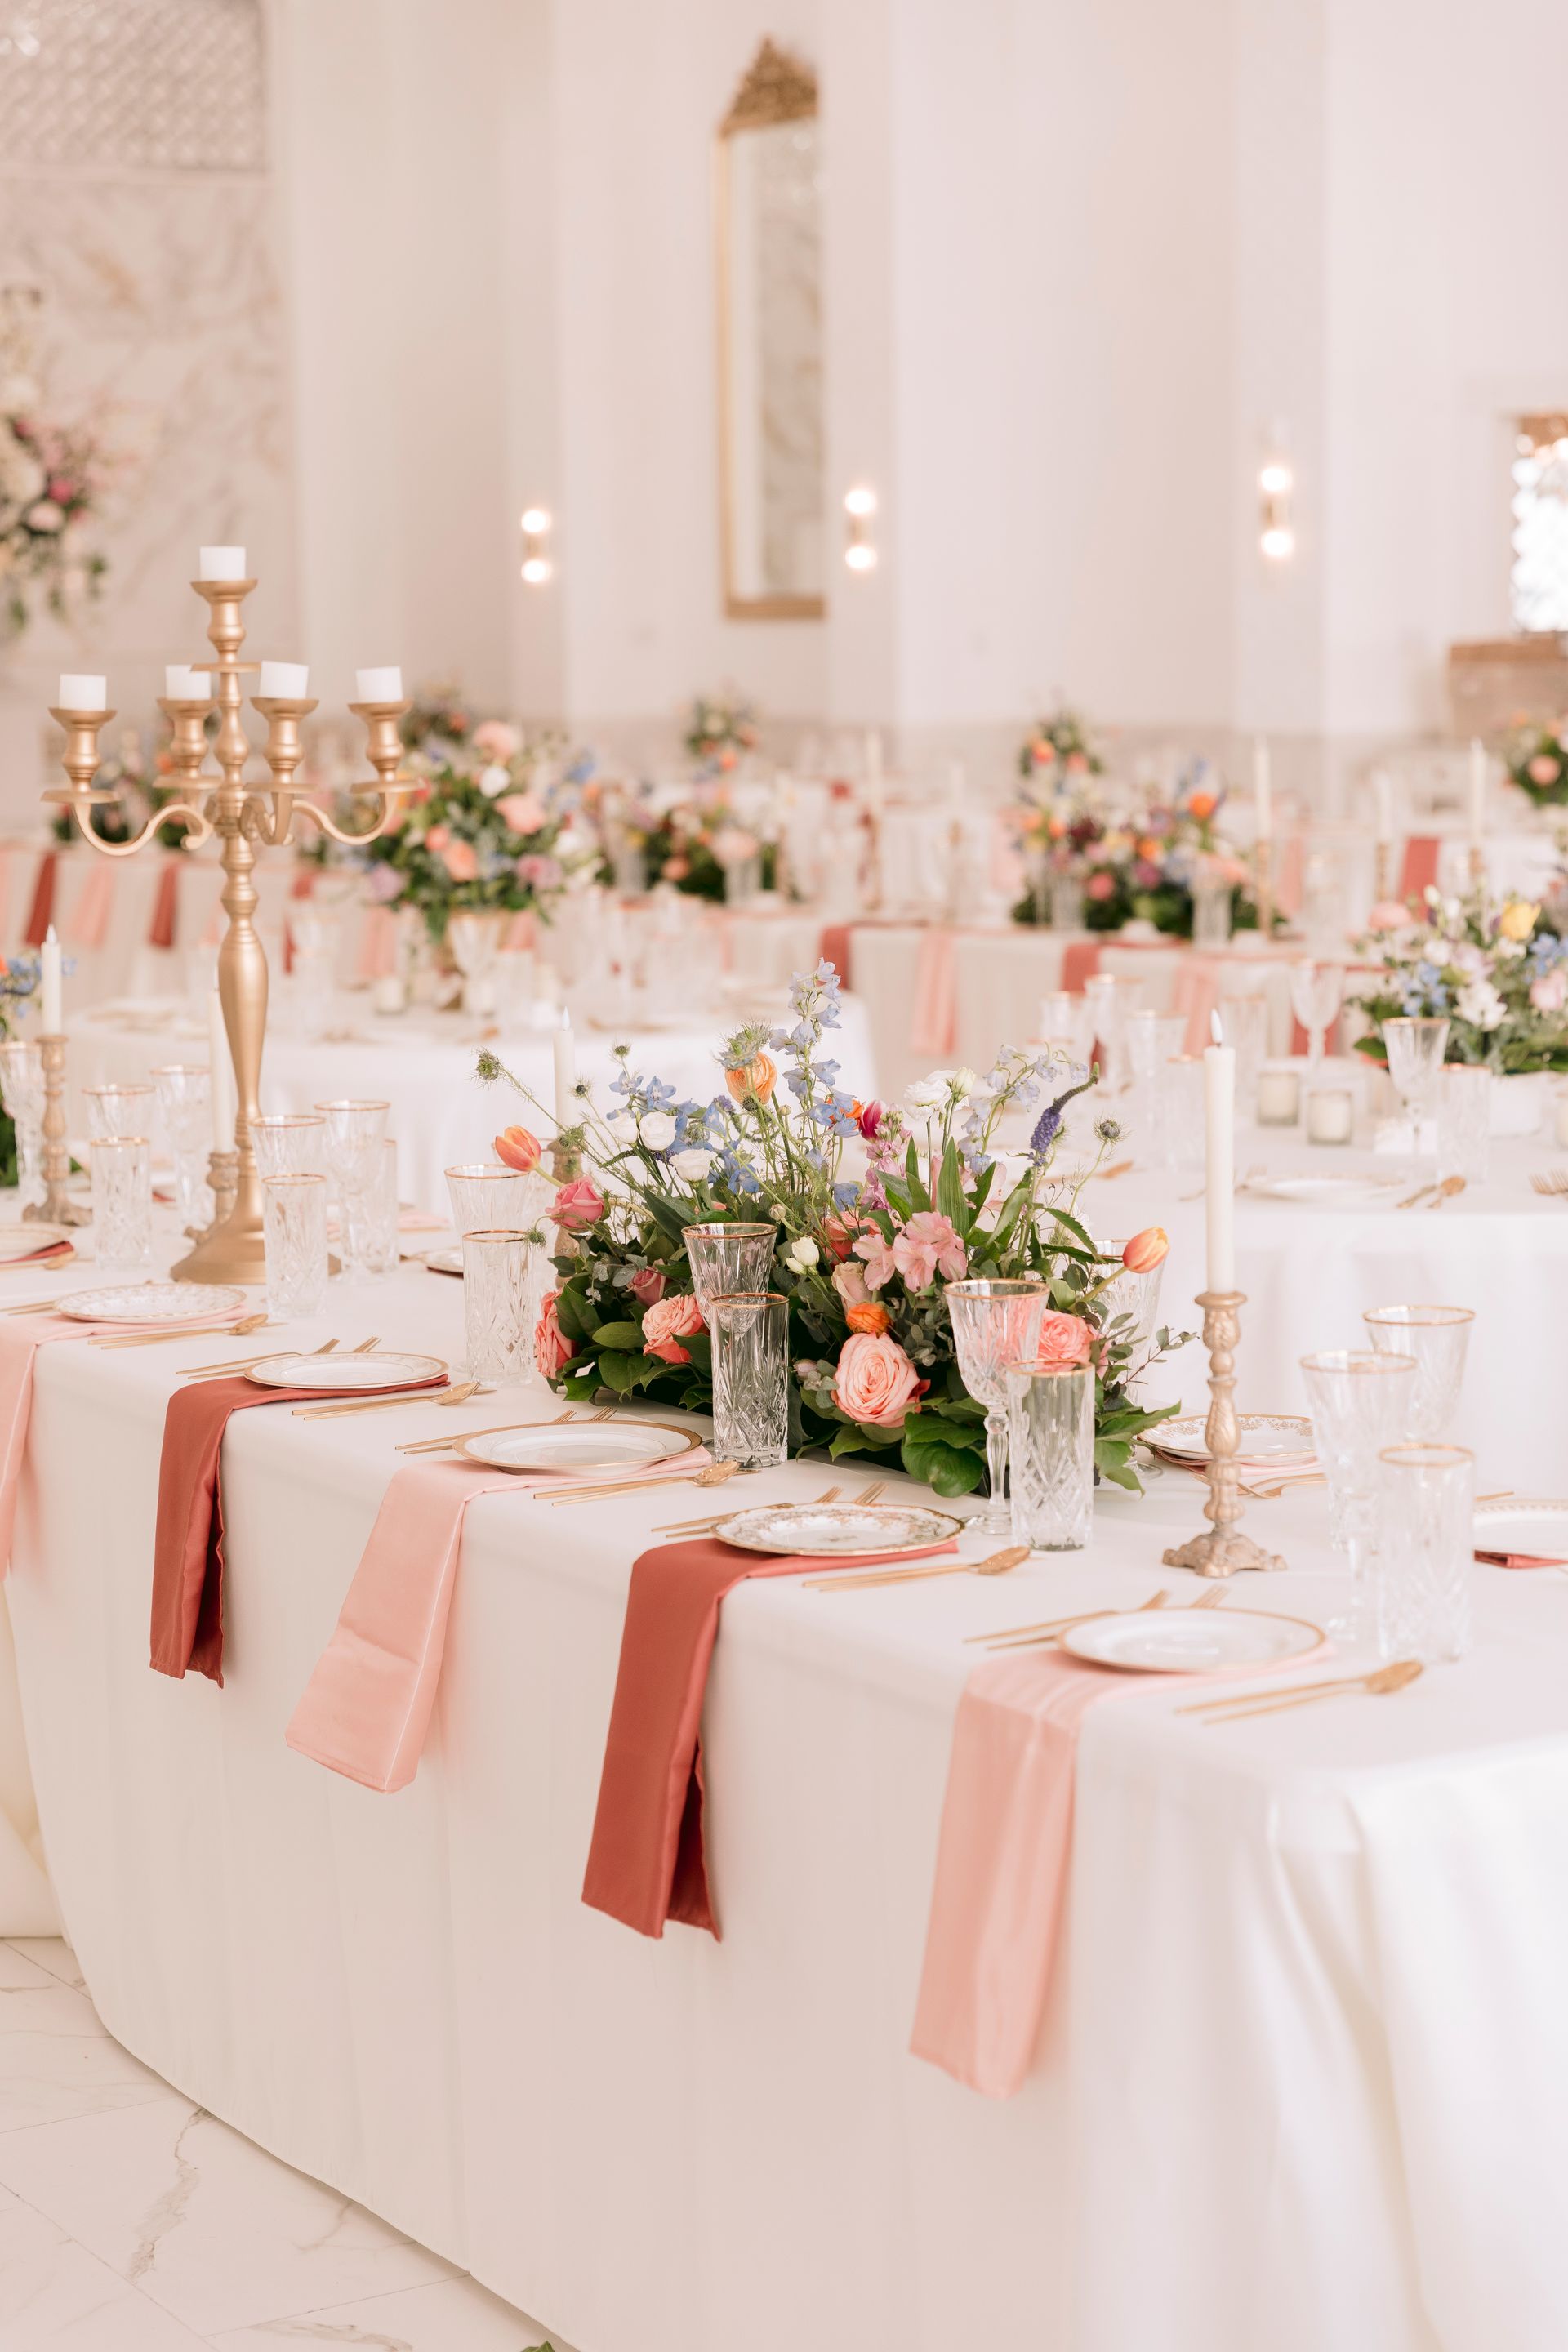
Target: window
1538	586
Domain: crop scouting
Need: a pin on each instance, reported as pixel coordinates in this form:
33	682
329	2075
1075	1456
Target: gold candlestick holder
223	1183
1478	865
57	1207
243	816
1383	871
1222	1549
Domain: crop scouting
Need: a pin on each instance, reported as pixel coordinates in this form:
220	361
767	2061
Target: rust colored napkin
187	1552
646	1863
1519	1559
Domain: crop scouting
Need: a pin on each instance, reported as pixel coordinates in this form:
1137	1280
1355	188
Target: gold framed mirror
768	217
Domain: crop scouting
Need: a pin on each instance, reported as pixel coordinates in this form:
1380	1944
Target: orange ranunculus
872	1317
1146	1250
757	1080
519	1149
1202	805
1150	848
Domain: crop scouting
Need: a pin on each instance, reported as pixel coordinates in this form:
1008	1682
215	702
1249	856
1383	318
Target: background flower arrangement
719	733
695	844
19	978
1057	750
50	486
1538	762
1145	864
862	1260
1497	973
481	835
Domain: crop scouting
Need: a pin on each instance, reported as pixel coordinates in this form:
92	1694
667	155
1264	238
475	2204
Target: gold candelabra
231	1249
1223	1548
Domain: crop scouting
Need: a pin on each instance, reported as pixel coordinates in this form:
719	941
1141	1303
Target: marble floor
132	2222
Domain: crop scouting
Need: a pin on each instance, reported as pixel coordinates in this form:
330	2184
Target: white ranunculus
928	1094
493	781
1505	950
691	1166
658	1131
44	515
1480	1004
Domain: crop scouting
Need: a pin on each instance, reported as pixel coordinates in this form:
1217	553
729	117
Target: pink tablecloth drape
933	1027
1418	870
88	926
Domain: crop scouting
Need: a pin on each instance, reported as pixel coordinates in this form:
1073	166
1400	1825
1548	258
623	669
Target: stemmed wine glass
1361	1402
1415	1046
996	1324
1317	991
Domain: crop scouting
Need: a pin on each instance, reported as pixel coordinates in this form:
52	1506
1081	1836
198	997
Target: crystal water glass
1153	1040
290	1143
370	1213
1425	1554
734	1260
750	1336
118	1110
1360	1400
351	1122
1067	1022
1317	991
1438	1339
502	1290
1110	999
995	1325
184	1099
122	1168
22	1093
1464	1121
1050	1428
294	1227
488	1196
1415	1046
1214	907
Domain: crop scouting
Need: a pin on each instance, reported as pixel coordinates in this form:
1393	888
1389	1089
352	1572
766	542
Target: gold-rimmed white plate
156	1302
588	1445
367	1373
1524	1523
1194	1641
18	1243
831	1530
1272	1441
1336	1190
445	1261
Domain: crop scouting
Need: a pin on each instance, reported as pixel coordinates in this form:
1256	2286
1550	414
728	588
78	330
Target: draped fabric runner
88	926
161	930
1420	867
646	1863
934	1025
367	1708
42	913
834	949
1080	961
187	1551
376	957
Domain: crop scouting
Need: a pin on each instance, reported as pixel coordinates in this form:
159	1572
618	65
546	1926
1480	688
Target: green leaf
946	1469
573	1313
949	1196
620	1372
619	1335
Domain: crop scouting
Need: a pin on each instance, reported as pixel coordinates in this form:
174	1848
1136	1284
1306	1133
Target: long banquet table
1302	2083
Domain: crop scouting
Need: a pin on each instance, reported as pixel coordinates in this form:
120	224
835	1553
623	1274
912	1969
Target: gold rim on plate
627	1469
946	1528
1220	1618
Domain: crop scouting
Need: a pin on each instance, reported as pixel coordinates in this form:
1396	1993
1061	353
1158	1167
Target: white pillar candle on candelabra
223	564
51	975
565	1046
379	684
183	684
221	1086
79	693
1477	792
1219	1160
285	681
1262	789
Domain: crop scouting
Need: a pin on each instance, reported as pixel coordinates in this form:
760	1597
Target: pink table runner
42	912
1419	867
88	925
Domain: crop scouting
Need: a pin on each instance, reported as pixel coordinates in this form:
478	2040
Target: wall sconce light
859	548
1277	534
536	565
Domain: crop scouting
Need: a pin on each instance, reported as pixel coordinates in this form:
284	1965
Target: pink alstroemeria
881	1263
928	1243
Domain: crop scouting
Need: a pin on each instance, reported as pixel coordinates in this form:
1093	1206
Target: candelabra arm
201	830
335	832
270	826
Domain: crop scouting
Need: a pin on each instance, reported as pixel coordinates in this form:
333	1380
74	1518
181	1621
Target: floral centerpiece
862	1259
19	976
696	842
719	733
1058	749
1538	762
474	838
1495	971
1147	864
50	487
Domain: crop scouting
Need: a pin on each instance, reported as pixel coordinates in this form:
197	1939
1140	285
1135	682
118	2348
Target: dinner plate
445	1261
588	1445
1193	1640
384	1369
821	1530
1273	1441
155	1302
1343	1190
19	1242
1526	1523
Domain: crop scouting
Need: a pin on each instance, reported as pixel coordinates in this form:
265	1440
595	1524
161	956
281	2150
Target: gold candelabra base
232	1249
57	1207
1223	1548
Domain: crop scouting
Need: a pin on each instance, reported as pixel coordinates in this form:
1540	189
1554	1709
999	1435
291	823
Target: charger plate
1524	1523
824	1530
382	1370
156	1302
20	1242
1193	1641
604	1445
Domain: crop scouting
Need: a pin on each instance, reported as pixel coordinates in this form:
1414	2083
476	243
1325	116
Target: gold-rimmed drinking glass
118	1110
502	1296
730	1260
290	1143
1439	1338
749	1332
1426	1552
488	1196
1415	1045
1050	1418
995	1325
1360	1400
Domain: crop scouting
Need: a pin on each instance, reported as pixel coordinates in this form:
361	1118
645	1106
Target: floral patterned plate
334	1371
156	1302
824	1530
1272	1441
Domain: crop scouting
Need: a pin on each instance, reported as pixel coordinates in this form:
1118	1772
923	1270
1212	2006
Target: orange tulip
755	1082
872	1317
1146	1250
519	1149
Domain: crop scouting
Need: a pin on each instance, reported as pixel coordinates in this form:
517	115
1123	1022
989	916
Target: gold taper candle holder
1383	871
1222	1549
223	1183
57	1207
1478	865
242	815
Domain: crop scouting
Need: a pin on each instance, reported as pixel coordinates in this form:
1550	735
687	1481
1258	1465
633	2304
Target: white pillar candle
54	1016
285	681
223	564
1219	1160
220	1086
78	693
1279	1097
1262	789
183	684
1331	1114
1477	792
379	684
565	1073
1383	792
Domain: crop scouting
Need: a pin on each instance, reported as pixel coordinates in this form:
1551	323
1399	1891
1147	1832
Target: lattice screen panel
156	85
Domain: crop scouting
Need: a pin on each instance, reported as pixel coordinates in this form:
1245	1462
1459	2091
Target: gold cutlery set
1448	1190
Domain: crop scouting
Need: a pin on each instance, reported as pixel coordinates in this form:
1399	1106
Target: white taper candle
1219	1160
50	962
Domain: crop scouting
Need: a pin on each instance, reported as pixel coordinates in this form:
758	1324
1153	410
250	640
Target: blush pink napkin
1080	961
934	1024
1420	865
188	1549
646	1861
88	924
833	948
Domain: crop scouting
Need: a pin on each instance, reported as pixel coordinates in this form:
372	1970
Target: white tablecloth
1304	2079
424	1065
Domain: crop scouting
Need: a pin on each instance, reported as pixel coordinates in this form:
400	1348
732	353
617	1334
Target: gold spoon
458	1395
1380	1683
715	1474
997	1564
181	1331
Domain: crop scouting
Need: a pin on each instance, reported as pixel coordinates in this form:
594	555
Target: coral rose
578	1205
1543	769
1100	886
553	1350
519	1148
875	1382
461	861
1146	1250
1064	1339
867	1314
435	840
1201	806
758	1078
667	1323
521	812
648	1287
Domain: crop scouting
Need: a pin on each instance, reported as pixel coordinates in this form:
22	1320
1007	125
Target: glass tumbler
370	1213
730	1260
1360	1400
1153	1040
118	1110
290	1143
294	1224
502	1289
750	1332
488	1196
1465	1122
184	1099
22	1092
1438	1338
1050	1416
121	1205
1415	1046
995	1325
1423	1578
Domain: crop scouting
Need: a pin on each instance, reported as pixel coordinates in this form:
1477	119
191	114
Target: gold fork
1551	1183
715	1473
1210	1599
243	1363
1381	1681
450	1444
706	1527
458	1395
181	1331
996	1564
1050	1627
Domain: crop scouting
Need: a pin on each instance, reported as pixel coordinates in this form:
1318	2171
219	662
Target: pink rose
648	1287
876	1383
667	1323
578	1205
1389	915
1064	1339
461	861
436	839
1100	886
926	1243
501	742
881	1263
521	812
849	1282
1543	769
1550	992
553	1350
